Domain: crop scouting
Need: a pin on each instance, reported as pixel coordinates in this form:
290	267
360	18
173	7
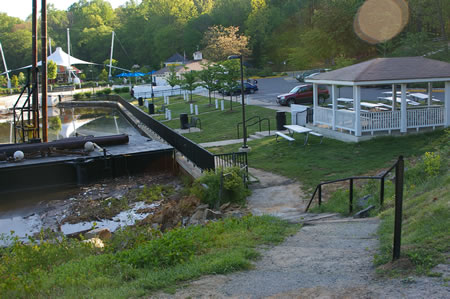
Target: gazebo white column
334	92
394	96
403	116
315	101
357	109
430	93
447	104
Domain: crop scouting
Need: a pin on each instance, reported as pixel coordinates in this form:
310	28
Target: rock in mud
101	233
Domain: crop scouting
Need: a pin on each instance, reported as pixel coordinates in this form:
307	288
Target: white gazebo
358	122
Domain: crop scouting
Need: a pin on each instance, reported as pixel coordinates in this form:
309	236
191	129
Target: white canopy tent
62	58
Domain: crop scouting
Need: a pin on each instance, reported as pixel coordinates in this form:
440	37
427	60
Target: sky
22	8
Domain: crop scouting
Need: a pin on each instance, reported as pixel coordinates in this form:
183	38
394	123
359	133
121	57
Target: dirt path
325	259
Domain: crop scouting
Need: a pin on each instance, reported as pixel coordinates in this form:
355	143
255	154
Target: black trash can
141	101
184	121
281	120
151	108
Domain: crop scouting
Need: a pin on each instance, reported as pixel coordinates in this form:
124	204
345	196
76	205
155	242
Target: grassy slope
71	269
426	217
332	159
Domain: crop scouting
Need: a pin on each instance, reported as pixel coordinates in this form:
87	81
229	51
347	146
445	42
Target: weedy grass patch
149	261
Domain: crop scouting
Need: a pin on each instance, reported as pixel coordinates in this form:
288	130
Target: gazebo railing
382	121
425	117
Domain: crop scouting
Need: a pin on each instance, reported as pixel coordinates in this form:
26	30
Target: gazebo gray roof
387	71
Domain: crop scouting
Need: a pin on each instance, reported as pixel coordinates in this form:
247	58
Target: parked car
248	88
302	94
301	77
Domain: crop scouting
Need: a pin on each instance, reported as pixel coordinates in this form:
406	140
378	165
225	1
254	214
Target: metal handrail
257	122
351	179
237	126
399	181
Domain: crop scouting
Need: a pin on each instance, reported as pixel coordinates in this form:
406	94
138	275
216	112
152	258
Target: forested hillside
281	34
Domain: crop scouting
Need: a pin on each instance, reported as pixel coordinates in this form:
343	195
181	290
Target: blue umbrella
122	75
151	73
137	74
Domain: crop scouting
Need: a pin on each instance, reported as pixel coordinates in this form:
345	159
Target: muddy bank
110	204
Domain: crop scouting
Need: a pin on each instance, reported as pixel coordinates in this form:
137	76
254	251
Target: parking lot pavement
270	88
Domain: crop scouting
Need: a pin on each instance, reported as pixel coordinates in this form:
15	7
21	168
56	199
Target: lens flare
380	20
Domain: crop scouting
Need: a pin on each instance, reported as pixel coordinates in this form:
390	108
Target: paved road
270	88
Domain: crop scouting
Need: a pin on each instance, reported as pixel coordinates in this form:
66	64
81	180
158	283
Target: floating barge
51	167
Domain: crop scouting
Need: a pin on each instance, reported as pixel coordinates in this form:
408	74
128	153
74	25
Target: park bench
288	138
318	135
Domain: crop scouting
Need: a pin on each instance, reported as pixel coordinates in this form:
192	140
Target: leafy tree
188	82
222	42
22	79
3	81
209	76
229	76
342	61
172	78
14	81
51	69
103	75
414	44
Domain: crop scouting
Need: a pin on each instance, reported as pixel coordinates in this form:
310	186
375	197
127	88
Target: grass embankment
426	215
137	261
216	124
332	159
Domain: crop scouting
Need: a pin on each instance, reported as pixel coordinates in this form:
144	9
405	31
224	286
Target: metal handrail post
351	197
399	171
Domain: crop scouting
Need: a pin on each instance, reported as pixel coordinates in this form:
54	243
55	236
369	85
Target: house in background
181	65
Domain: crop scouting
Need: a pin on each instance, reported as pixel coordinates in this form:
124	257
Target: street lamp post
151	84
244	146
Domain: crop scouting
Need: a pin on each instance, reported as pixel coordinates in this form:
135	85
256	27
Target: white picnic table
298	129
422	96
399	100
345	100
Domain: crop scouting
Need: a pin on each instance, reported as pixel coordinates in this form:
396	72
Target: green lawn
216	124
332	159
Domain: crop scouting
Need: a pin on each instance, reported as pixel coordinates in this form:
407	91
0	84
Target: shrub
432	163
88	94
78	96
207	187
107	91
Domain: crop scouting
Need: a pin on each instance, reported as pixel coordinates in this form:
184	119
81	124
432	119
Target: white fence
381	121
428	117
344	119
145	91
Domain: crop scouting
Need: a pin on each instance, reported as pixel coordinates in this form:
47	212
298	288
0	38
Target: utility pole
68	52
35	87
44	70
111	55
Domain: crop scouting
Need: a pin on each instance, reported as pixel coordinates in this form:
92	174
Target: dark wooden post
44	69
350	207
320	195
399	169
381	192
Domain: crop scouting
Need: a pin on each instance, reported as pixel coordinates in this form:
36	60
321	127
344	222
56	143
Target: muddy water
27	213
67	122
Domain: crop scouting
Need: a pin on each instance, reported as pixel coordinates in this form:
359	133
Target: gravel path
328	258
